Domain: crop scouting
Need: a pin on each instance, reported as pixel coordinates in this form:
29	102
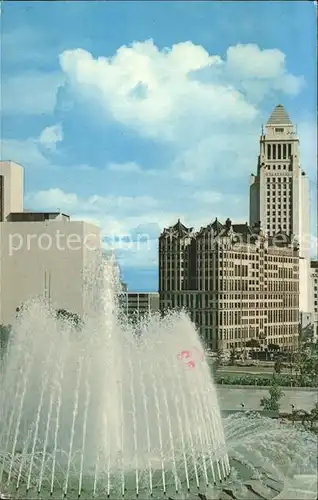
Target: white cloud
205	107
26	152
124	225
56	197
232	153
31	152
156	91
260	70
52	199
30	93
116	216
51	136
249	61
161	93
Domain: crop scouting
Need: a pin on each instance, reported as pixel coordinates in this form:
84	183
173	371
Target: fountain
101	412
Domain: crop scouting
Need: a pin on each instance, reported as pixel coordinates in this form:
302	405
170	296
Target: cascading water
269	450
102	411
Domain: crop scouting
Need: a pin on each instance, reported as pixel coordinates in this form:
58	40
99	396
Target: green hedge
283	380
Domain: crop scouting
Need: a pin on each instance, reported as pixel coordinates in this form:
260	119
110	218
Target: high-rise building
236	283
279	192
41	254
138	304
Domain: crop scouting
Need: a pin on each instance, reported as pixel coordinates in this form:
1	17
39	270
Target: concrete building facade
138	304
41	254
236	283
279	192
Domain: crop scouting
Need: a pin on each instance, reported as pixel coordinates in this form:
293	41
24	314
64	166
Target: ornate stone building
236	283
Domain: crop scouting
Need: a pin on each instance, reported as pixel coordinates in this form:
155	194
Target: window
280	130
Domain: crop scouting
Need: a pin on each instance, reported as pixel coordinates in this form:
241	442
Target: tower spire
279	116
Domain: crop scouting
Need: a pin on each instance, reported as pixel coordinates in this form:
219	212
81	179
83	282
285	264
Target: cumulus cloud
155	91
159	93
51	136
249	62
204	107
257	71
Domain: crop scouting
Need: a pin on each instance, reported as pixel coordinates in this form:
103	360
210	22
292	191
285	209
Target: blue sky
132	114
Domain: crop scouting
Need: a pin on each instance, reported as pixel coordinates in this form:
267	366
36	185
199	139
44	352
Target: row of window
272	202
279	180
208	298
283	208
279	151
288	168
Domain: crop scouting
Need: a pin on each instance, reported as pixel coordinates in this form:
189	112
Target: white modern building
41	253
139	304
279	192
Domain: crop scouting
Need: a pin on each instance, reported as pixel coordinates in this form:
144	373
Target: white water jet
101	411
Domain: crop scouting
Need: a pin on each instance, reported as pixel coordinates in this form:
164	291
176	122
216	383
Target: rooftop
237	232
36	216
279	116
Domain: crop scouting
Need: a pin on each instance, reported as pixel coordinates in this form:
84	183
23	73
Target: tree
253	343
65	315
306	361
314	418
273	347
232	356
216	362
278	366
271	403
309	420
306	333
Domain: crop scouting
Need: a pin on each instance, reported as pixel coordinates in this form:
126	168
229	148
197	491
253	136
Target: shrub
271	403
283	380
65	315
